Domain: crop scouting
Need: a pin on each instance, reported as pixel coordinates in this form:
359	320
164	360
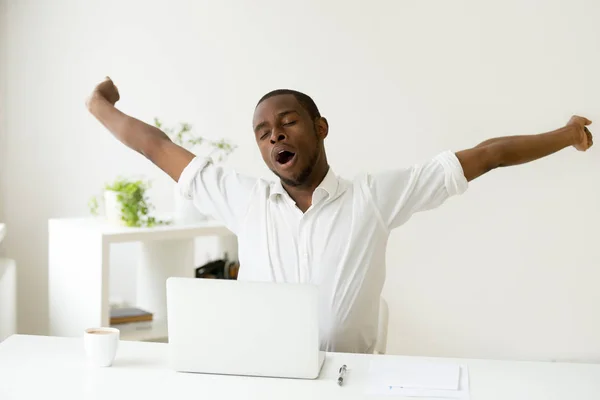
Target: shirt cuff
188	175
455	180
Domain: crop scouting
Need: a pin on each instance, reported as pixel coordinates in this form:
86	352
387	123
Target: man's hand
145	139
582	137
105	90
514	150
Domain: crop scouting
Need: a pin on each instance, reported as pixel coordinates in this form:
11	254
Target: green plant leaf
185	137
93	205
135	204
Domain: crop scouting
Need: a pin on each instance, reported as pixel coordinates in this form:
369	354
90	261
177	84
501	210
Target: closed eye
264	136
290	123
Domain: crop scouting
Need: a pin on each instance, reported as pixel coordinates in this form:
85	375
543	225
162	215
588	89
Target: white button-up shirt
339	243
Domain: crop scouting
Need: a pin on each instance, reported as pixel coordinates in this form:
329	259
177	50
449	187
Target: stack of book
130	318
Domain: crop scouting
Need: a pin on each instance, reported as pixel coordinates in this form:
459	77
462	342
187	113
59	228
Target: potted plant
183	136
219	150
126	203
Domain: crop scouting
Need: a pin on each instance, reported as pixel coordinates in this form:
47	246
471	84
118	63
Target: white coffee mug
101	345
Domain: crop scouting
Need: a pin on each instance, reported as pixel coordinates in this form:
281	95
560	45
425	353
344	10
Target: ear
322	127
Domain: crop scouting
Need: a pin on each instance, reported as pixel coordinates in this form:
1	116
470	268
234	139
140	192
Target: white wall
508	270
3	42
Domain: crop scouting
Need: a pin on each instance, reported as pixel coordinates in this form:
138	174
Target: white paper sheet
418	379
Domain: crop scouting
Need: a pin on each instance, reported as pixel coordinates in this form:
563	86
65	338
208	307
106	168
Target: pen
342	374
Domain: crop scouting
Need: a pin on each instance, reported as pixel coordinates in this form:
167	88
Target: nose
277	135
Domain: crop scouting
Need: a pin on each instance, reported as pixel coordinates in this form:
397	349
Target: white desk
38	367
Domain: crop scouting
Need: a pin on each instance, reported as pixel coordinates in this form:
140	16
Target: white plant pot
112	208
185	210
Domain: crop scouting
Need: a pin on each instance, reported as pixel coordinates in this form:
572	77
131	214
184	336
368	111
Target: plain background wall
508	270
3	165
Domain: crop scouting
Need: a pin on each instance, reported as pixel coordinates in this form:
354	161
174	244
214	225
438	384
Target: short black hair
305	101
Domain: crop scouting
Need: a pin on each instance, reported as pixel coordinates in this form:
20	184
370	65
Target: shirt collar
326	189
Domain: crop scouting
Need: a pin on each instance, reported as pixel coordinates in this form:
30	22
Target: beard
301	178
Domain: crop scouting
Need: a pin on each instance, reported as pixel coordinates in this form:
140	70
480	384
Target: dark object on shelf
129	314
231	270
213	269
218	269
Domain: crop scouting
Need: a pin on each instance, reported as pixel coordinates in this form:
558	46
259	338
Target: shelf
79	250
156	333
114	233
8	298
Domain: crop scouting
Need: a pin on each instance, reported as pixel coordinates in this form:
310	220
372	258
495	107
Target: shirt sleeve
400	193
216	191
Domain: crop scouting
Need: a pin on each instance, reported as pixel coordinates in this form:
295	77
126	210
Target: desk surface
38	367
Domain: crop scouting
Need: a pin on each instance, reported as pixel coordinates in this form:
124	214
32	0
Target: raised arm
514	150
146	139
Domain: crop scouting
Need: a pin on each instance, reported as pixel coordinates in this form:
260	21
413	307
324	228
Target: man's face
290	142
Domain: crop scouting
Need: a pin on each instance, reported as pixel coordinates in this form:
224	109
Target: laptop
232	327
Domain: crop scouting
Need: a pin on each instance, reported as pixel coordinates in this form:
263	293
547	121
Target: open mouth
284	157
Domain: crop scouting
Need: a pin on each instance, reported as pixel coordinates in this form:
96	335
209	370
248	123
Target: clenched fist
105	90
583	137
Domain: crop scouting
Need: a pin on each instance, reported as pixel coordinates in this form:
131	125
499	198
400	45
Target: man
312	226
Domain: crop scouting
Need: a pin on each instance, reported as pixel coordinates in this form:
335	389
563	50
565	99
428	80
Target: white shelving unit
157	333
78	271
8	293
